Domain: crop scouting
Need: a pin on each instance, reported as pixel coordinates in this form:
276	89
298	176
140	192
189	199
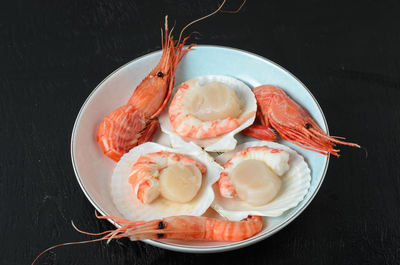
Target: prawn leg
149	132
261	132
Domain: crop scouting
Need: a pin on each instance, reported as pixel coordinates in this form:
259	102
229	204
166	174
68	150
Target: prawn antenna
236	11
172	29
365	150
106	235
66	244
162	41
202	18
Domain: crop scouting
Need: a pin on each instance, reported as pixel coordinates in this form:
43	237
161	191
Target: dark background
53	54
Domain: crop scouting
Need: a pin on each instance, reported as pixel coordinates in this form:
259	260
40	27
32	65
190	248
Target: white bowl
93	169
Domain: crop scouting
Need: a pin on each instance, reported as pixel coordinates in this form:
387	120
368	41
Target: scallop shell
131	208
225	142
295	185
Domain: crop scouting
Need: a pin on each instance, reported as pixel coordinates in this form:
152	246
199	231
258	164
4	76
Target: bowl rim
200	249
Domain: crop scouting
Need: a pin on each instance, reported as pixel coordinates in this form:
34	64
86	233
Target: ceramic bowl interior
93	169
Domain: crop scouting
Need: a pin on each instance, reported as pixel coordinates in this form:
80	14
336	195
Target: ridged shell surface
295	185
131	208
224	142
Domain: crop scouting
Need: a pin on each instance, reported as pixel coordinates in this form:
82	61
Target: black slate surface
53	53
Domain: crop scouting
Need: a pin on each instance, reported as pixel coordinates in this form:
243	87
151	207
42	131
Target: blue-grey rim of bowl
197	249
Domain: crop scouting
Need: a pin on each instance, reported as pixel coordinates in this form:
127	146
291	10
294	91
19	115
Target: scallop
265	183
194	199
180	183
212	101
255	182
209	111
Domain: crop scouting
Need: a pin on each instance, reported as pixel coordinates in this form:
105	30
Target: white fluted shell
295	185
224	142
131	208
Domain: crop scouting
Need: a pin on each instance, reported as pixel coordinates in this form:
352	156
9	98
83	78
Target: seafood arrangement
164	192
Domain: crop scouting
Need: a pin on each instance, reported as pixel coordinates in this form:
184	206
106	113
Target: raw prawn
135	123
176	227
278	112
186	228
144	176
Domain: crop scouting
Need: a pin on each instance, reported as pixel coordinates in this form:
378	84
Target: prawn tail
238	230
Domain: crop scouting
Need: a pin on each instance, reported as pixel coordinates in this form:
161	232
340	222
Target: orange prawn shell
291	121
134	123
131	208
